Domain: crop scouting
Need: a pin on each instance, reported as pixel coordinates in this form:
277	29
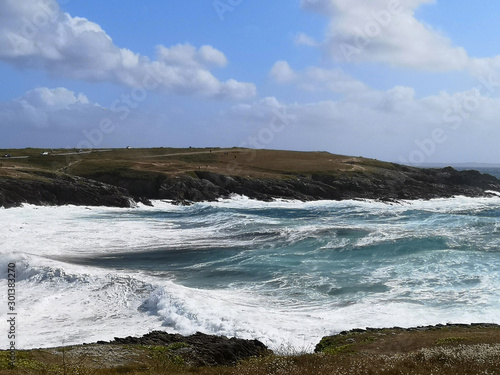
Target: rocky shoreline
62	190
114	190
199	349
328	340
208	351
403	183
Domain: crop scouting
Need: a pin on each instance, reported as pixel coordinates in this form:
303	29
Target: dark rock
61	190
358	330
139	185
201	349
187	188
485	325
144	201
386	185
389	185
328	340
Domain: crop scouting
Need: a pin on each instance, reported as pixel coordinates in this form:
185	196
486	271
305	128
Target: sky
407	81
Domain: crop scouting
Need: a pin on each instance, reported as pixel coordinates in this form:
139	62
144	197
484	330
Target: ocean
286	273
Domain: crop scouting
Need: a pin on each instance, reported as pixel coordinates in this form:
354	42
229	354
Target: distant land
121	177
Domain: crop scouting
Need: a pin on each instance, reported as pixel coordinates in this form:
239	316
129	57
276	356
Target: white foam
58	304
62	303
284	325
494	192
67	304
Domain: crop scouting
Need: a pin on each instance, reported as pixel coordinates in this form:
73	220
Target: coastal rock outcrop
61	190
200	349
390	182
344	339
387	185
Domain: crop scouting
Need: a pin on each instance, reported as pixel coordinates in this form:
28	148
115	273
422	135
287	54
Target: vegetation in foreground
455	350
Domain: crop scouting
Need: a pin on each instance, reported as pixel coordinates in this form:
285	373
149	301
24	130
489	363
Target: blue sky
411	81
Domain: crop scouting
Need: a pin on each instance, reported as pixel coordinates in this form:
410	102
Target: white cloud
392	125
335	80
42	108
260	111
387	31
58	117
302	39
37	34
317	79
185	55
52	99
282	72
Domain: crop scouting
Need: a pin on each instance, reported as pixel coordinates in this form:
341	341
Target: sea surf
285	272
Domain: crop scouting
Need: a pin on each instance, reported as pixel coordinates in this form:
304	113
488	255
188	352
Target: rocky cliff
200	349
399	183
61	190
299	176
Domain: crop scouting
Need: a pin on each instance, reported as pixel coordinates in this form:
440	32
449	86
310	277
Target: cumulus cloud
185	55
317	79
282	72
58	117
387	31
42	108
393	125
37	34
52	99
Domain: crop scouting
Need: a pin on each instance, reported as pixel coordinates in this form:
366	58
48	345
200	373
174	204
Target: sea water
286	273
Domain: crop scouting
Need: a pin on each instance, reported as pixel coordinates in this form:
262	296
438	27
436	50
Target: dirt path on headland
189	153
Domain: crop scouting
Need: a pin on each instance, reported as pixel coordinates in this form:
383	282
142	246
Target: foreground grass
440	351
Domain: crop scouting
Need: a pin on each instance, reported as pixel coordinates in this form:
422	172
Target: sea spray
286	273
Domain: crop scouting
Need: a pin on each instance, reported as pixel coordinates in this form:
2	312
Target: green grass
151	162
198	159
445	350
178	345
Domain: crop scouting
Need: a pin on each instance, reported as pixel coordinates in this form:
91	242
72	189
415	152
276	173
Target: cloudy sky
411	81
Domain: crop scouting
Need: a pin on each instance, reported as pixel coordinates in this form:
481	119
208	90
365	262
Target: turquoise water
331	252
281	272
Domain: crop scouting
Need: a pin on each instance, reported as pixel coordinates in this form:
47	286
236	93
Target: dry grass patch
445	350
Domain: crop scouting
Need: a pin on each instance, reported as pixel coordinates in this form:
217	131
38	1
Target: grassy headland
174	161
194	174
